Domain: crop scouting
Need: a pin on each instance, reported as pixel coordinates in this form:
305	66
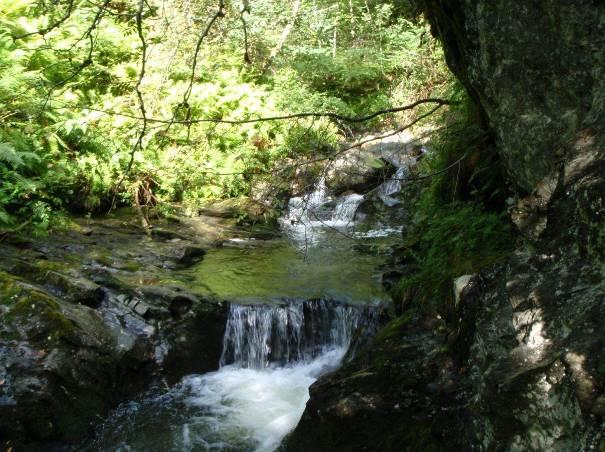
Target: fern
14	158
5	218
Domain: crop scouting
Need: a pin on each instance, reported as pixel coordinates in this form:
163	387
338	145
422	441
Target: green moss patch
33	312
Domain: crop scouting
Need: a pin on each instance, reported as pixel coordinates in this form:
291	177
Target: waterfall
258	336
309	216
346	208
303	210
272	354
392	186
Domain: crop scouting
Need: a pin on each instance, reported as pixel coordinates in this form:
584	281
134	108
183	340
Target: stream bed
297	305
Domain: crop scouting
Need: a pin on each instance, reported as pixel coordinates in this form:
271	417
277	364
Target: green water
264	271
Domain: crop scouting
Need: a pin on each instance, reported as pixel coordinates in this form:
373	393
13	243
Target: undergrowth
459	223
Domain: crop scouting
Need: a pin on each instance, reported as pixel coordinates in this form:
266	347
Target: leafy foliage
71	129
460	225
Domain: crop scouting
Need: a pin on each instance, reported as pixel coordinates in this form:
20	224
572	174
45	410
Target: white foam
263	404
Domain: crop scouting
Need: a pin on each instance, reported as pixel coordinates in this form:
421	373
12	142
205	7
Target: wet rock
163	301
390	397
193	344
85	321
237	208
358	172
460	285
76	289
180	305
61	366
166	234
191	255
365	167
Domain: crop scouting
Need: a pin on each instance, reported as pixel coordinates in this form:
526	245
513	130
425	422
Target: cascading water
344	213
259	336
309	216
271	355
392	186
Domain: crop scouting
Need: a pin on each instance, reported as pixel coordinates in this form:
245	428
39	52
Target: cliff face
525	370
536	69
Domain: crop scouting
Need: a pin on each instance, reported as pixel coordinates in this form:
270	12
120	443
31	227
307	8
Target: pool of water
296	304
264	271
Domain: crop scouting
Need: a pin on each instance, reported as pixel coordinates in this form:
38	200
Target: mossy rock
242	209
32	312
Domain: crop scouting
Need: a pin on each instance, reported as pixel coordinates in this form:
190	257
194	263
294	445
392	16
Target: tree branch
138	145
351	119
44	31
245	9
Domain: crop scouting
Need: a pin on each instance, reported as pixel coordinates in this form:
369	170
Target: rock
521	367
191	255
237	208
61	366
76	288
180	305
194	343
389	397
359	172
166	234
86	231
140	307
460	285
511	75
528	218
64	364
363	168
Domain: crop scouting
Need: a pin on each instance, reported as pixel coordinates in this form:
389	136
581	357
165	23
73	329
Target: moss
28	305
38	269
9	289
130	266
420	437
103	258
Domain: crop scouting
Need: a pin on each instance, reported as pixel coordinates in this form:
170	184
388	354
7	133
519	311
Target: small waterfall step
257	336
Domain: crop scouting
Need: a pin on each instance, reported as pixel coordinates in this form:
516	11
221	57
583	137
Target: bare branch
143	130
351	119
245	9
198	46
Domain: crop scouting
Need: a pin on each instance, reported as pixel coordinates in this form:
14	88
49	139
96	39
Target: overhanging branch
352	119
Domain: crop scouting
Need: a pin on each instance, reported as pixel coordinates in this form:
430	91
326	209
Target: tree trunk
283	37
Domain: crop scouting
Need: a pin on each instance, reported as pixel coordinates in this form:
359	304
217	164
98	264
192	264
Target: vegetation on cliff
459	222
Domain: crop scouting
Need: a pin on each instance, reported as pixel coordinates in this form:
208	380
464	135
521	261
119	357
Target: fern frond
9	155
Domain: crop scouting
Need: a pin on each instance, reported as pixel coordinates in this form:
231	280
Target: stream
297	305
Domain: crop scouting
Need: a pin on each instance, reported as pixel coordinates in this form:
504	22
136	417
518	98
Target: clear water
265	271
272	351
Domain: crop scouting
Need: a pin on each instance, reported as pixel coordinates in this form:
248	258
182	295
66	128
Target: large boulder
362	167
88	319
60	365
536	69
401	392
